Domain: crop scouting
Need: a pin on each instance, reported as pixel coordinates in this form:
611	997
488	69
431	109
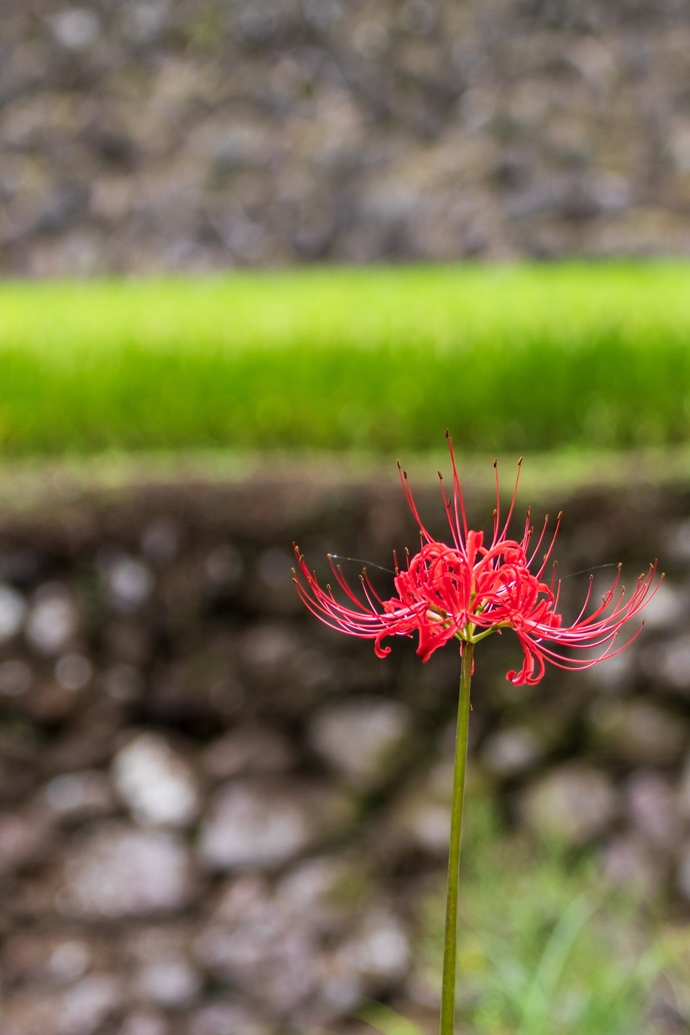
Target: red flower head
468	591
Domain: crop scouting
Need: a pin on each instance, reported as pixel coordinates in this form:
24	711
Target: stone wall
217	816
194	134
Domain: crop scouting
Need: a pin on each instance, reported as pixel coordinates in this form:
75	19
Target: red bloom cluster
468	591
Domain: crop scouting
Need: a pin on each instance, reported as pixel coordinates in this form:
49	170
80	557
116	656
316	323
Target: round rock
358	738
572	804
118	871
265	825
156	782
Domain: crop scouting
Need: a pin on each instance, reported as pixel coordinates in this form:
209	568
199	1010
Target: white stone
572	804
382	949
52	621
12	612
679	541
76	28
118	871
157	784
254	825
615	672
667	606
128	582
69	960
86	1005
672	661
359	737
171	982
512	751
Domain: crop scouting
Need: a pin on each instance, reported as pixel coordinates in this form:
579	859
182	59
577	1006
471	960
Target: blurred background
252	252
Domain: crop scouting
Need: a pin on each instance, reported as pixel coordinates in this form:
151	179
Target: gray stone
267	648
224	565
572	804
265	825
614	673
249	749
144	1023
631	862
512	751
638	732
127	581
78	796
668	605
122	682
323	888
227	1018
359	737
157	784
653	807
22	839
87	1004
684	872
275	567
73	671
421	814
375	957
160	540
670	661
80	1009
118	871
15	678
261	949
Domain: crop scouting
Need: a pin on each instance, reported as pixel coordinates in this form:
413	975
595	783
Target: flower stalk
447	1025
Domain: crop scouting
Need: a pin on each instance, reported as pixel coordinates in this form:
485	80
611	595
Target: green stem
451	936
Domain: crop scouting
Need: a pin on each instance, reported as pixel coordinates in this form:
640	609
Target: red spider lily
468	591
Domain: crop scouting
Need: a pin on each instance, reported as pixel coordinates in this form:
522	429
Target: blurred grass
510	358
545	948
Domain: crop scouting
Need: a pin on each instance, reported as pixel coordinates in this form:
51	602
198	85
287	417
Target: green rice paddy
508	357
